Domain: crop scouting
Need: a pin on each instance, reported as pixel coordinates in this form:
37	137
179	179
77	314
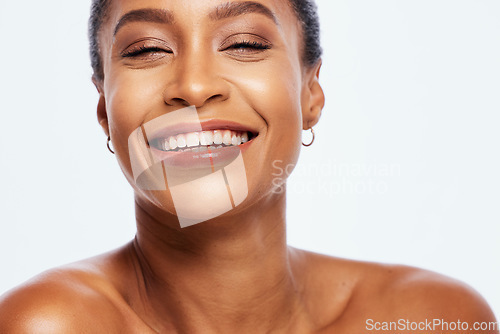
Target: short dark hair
305	10
98	14
307	13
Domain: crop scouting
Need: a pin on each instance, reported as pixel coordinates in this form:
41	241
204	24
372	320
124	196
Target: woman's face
238	63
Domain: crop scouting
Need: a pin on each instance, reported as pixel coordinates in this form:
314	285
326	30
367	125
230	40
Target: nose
195	81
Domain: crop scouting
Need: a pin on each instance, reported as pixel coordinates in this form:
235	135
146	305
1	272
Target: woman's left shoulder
391	293
413	289
428	299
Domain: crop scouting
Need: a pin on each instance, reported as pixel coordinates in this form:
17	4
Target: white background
405	167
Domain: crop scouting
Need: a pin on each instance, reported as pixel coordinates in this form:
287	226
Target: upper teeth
204	138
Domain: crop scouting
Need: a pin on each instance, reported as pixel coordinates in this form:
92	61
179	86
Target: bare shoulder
438	288
420	292
412	297
379	294
75	297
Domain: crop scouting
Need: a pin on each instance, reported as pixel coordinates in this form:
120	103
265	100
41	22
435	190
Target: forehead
182	11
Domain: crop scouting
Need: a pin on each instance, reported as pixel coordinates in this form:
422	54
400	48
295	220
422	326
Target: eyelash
249	44
236	46
141	50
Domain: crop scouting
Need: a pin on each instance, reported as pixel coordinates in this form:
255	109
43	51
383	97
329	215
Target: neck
234	271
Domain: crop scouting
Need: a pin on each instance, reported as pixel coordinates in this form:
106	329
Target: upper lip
206	125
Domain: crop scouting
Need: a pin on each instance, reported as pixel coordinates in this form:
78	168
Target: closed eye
142	50
248	45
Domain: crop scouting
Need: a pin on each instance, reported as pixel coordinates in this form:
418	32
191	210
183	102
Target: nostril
198	104
217	97
177	101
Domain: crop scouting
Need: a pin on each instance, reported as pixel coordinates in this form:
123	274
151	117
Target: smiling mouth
201	141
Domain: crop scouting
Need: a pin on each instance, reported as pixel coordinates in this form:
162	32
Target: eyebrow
223	11
233	9
145	15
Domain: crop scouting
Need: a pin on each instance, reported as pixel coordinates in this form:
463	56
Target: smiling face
238	63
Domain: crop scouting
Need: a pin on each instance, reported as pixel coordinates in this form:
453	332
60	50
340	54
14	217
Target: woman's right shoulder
75	298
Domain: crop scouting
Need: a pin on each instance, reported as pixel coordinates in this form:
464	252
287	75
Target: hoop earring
107	144
312	141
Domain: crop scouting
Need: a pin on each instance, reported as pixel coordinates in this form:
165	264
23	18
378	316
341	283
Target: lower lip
214	158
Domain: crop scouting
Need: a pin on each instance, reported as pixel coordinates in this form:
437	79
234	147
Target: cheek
283	116
274	92
130	98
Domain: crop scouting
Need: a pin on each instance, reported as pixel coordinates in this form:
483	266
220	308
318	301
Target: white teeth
217	137
226	137
234	140
244	137
172	142
165	145
206	138
192	139
181	141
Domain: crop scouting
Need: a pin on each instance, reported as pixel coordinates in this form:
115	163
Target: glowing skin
204	181
234	273
194	62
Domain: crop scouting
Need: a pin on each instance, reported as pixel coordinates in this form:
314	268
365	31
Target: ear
102	115
313	97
